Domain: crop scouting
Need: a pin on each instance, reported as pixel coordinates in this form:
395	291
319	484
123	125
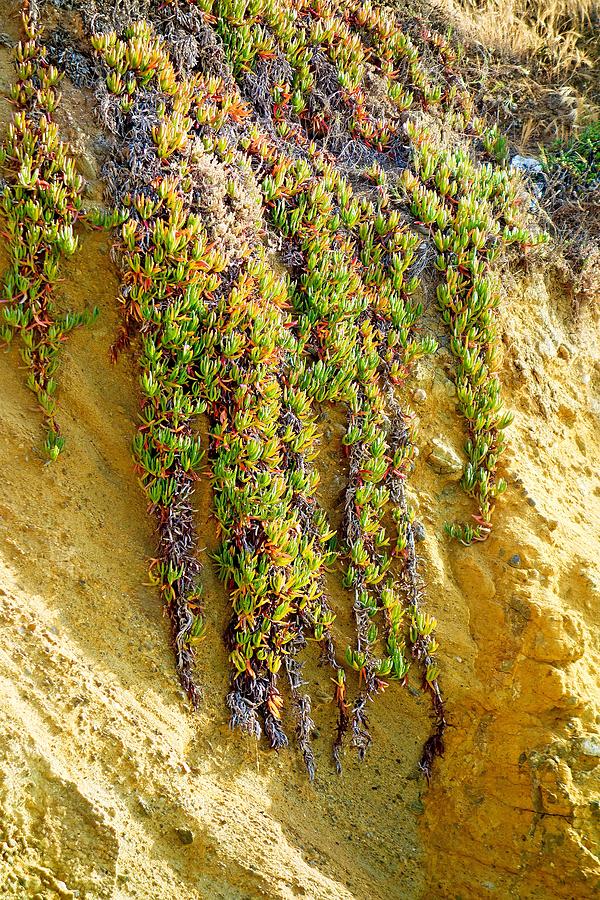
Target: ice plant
217	333
472	212
273	544
41	205
354	308
219	350
168	268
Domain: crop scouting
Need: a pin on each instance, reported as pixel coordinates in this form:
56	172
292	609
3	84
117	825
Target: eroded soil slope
110	788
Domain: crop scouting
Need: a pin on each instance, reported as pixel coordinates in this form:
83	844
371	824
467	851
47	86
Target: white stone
591	746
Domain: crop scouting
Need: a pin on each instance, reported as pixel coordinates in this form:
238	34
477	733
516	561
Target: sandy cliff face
110	788
514	810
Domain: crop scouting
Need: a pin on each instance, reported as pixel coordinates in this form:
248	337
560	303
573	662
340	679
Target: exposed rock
564	352
590	746
419	531
443	459
185	835
554	781
546	348
554	637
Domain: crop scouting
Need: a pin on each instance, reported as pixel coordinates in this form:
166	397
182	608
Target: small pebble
419	531
531	501
144	806
443	459
419	396
591	746
585	379
185	836
564	352
515	561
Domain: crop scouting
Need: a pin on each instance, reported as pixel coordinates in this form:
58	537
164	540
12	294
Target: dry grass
560	35
532	65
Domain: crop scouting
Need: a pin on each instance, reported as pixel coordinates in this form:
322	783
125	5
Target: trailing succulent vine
352	192
356	319
471	212
168	267
274	547
41	203
225	347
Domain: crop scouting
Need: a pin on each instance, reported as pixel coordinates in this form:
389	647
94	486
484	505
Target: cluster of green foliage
263	30
275	543
472	212
41	203
579	158
329	47
219	353
354	307
258	355
169	274
353	304
168	269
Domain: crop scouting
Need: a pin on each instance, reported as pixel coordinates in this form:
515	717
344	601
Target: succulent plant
41	204
217	333
168	271
472	212
353	306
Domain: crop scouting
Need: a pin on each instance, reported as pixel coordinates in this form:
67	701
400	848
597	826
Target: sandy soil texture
111	789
